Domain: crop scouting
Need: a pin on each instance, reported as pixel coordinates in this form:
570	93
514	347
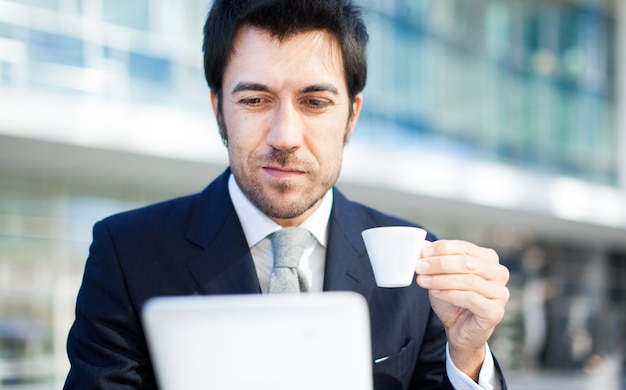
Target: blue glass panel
55	48
150	68
5	73
129	13
5	30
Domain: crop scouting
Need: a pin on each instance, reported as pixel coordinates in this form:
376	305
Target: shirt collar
256	225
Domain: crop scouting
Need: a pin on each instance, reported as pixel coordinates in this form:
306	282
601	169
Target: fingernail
428	251
422	266
425	278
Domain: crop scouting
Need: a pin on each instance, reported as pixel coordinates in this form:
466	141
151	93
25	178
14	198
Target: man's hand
467	289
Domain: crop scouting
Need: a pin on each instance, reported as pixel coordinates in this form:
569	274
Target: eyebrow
250	87
264	88
320	88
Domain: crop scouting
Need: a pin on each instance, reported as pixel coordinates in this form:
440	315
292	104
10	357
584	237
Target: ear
214	102
218	116
356	111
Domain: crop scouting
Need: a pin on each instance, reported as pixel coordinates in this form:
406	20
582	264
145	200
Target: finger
464	282
462	264
459	247
492	310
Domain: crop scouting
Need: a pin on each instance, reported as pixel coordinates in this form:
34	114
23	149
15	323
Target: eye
316	104
254	101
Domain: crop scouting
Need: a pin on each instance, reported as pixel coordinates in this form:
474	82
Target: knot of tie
287	247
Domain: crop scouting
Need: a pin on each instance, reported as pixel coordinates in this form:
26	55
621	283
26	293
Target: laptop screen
279	341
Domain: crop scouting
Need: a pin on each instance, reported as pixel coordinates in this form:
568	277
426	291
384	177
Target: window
55	48
129	13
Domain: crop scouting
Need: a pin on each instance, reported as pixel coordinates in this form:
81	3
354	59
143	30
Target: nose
286	128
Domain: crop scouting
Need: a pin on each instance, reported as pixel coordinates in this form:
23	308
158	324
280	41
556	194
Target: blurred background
496	121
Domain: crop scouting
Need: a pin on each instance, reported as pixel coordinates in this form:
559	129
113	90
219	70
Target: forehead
311	56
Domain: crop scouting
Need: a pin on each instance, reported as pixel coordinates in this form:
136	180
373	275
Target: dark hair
282	19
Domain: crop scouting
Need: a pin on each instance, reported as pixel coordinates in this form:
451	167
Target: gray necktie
287	247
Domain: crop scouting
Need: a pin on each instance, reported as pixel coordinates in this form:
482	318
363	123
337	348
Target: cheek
239	148
244	134
328	149
326	141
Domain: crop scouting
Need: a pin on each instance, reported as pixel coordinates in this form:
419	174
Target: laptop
279	341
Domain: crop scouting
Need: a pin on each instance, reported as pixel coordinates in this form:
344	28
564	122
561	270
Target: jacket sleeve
430	371
106	345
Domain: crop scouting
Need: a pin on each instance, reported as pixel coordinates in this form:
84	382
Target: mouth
279	172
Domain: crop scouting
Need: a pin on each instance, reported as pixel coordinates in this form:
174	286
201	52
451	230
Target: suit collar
224	264
347	264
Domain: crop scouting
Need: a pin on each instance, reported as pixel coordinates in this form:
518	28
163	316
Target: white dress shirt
257	228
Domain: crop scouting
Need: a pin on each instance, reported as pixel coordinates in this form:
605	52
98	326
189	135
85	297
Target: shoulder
157	212
366	217
177	210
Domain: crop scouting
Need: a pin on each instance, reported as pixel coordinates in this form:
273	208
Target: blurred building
496	121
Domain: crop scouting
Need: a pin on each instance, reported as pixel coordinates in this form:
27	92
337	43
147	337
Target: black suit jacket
195	245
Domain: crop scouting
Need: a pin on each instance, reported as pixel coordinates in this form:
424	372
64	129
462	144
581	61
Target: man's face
286	115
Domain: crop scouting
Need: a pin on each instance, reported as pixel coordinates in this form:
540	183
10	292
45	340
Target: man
286	79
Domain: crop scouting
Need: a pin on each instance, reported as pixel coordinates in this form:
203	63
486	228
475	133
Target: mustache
282	157
285	158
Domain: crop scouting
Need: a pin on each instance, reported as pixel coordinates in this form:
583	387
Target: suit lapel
224	264
347	264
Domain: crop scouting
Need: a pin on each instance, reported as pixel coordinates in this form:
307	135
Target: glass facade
45	231
125	51
523	83
528	84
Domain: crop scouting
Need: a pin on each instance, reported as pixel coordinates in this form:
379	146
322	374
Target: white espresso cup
393	253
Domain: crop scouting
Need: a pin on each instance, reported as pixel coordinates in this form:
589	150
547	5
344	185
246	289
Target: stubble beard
294	199
281	207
